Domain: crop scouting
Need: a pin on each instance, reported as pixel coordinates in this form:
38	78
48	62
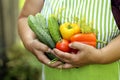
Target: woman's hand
39	49
86	55
28	37
89	55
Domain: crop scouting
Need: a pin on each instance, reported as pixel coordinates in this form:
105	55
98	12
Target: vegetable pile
56	35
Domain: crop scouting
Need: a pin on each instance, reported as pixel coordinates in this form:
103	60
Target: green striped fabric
97	12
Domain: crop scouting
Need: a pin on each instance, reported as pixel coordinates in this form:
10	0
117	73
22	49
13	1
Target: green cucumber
39	28
53	28
40	18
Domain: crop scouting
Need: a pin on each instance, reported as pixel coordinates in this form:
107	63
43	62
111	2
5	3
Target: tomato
69	29
63	45
73	50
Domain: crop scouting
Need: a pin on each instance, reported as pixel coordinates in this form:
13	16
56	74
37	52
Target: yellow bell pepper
67	30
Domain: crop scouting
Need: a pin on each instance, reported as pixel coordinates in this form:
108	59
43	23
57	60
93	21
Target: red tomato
73	50
63	45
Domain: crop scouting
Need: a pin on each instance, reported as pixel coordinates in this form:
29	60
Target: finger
65	66
43	59
64	56
77	45
39	46
55	64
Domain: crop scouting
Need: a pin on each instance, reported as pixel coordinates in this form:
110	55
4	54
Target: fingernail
70	44
49	62
60	67
49	50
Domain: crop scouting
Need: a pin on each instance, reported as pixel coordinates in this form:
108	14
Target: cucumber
50	56
39	28
37	24
39	18
53	28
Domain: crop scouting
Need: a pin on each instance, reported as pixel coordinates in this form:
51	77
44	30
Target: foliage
22	65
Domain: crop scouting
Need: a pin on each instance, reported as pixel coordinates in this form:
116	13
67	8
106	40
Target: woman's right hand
39	49
28	37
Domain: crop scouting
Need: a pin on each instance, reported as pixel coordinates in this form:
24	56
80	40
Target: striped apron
100	14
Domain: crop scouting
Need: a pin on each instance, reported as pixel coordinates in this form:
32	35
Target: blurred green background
16	63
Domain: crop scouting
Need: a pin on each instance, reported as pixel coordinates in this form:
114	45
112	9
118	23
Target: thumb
77	45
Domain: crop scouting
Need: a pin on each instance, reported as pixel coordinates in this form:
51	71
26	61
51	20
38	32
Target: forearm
111	52
25	32
31	7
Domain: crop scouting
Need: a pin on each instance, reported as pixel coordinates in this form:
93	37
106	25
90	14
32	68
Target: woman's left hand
86	55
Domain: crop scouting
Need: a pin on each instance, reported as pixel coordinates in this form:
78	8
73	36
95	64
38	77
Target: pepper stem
69	27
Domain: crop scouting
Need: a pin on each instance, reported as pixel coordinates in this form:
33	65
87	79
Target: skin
89	55
86	54
28	37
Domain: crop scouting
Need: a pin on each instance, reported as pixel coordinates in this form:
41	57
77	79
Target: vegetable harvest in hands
74	32
60	36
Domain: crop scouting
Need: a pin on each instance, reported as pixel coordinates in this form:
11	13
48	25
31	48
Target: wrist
27	45
97	57
102	57
27	42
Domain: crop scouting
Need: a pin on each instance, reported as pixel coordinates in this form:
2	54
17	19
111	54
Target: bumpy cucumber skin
40	18
39	29
53	28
